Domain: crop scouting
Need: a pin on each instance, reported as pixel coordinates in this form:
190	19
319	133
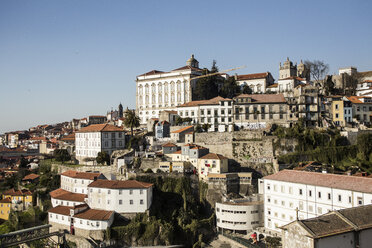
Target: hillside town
206	159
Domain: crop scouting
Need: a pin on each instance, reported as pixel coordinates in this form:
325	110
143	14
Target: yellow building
17	200
5	206
338	113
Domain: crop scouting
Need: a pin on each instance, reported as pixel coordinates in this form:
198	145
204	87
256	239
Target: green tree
246	90
131	120
23	163
230	88
207	87
364	142
102	158
61	155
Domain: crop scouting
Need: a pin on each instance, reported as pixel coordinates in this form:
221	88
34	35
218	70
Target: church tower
120	110
303	71
192	62
287	70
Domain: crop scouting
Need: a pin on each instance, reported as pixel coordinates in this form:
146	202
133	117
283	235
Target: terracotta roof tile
214	101
100	128
324	179
213	156
94	214
264	98
63	210
183	129
150	73
252	76
31	176
62	194
117	184
13	192
6	200
169	145
81	175
70	137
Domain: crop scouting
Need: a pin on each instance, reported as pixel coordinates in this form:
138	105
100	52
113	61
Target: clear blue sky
69	59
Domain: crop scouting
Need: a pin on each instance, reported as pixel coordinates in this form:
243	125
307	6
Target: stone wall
106	170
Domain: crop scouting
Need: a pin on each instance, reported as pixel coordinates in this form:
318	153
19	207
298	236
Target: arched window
160	100
172	98
259	88
172	86
147	99
140	90
153	88
166	87
160	87
166	98
178	97
153	99
147	89
178	86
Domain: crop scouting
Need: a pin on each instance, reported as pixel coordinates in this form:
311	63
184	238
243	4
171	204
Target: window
141	191
120	191
120	202
290	190
275	189
108	191
360	201
282	188
141	202
339	198
268	187
319	210
336	106
131	191
309	192
97	223
300	192
283	203
329	196
310	208
349	199
319	195
99	190
336	115
108	202
131	202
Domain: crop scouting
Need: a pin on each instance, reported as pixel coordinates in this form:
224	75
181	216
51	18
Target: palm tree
131	120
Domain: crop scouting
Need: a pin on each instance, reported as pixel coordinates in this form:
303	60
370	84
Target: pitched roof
214	101
62	194
31	176
63	210
70	137
264	98
337	222
187	67
324	179
213	156
13	192
153	72
6	200
94	214
117	184
100	128
81	175
169	145
183	129
252	76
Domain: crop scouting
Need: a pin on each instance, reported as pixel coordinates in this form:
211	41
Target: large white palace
157	90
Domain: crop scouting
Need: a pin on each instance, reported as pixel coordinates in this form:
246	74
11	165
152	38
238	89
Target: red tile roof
187	67
94	214
62	194
324	180
63	210
169	145
70	137
213	156
39	138
13	192
6	200
183	129
171	111
81	175
264	98
117	184
252	76
31	176
153	72
100	128
214	101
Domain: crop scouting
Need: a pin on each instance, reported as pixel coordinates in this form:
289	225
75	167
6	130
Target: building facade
129	196
91	140
257	82
291	193
157	91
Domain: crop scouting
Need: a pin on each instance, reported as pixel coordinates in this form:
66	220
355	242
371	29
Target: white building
77	182
91	140
257	82
311	194
212	163
241	215
81	220
129	196
61	197
218	112
364	88
157	91
351	227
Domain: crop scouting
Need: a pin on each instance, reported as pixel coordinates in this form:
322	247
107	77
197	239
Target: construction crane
216	73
